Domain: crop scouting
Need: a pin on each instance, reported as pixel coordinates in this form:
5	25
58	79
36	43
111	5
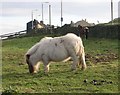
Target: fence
13	35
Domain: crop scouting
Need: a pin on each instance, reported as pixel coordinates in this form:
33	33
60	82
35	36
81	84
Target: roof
83	23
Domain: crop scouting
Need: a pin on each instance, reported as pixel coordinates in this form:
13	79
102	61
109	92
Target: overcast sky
14	14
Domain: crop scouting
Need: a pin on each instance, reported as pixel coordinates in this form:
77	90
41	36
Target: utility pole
61	14
42	11
50	18
119	9
32	19
111	11
50	15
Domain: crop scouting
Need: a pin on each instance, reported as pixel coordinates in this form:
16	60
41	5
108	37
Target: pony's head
33	67
30	66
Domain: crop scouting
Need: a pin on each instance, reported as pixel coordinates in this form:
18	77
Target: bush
98	31
104	31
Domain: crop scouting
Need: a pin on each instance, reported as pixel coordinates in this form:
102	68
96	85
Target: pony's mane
33	49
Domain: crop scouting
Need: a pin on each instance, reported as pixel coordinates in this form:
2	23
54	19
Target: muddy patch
101	58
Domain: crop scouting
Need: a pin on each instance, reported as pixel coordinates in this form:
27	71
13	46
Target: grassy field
101	76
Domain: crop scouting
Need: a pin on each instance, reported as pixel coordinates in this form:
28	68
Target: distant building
83	23
36	25
41	25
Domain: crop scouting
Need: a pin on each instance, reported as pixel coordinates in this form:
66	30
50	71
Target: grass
16	79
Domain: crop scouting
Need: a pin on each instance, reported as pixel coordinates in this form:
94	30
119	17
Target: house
40	25
35	25
83	23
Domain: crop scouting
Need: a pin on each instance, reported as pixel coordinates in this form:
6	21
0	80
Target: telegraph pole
111	11
32	14
61	14
32	19
50	18
42	11
50	15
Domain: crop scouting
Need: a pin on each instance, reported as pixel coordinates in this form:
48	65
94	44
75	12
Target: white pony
56	49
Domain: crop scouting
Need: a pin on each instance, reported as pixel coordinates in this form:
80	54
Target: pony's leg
36	67
46	64
46	68
82	59
74	58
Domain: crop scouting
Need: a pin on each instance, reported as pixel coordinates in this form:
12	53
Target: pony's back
34	48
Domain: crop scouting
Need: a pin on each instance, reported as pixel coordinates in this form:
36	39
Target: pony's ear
27	58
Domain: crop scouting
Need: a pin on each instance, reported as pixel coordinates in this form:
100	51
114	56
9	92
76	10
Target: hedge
98	31
105	31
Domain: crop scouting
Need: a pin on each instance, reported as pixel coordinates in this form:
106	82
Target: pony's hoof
35	72
73	69
83	68
46	74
